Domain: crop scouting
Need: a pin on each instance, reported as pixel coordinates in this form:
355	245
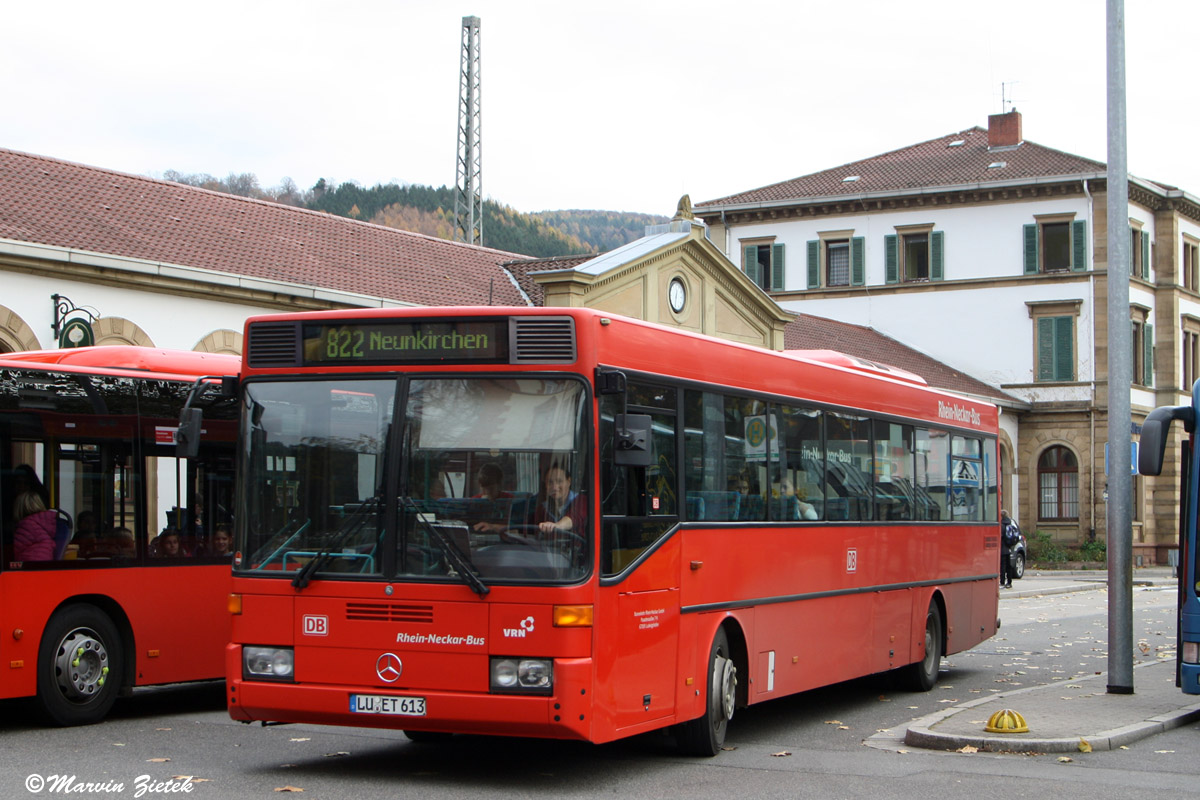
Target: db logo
852	560
316	625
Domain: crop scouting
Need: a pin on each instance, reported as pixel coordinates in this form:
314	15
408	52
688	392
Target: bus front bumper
566	714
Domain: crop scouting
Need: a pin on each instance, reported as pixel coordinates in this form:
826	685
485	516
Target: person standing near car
1008	537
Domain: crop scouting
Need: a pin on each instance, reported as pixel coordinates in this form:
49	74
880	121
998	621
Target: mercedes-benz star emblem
388	668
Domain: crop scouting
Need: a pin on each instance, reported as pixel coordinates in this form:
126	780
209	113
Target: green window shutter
777	267
750	263
1031	249
937	249
814	264
1079	245
891	258
1045	348
858	272
1064	348
1146	255
1147	355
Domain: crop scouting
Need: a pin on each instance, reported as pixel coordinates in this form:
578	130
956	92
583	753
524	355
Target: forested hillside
424	209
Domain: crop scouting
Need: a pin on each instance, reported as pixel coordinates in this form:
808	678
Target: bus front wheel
79	666
706	735
921	676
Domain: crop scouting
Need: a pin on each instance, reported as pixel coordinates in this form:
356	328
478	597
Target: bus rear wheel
706	735
923	675
79	666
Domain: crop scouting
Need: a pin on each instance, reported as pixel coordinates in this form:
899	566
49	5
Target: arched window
1058	485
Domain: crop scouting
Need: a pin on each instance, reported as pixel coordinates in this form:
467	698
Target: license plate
387	704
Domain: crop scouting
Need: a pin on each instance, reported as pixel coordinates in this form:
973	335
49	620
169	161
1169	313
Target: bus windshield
476	480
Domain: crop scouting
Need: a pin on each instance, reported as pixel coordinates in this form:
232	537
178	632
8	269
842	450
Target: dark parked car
1018	556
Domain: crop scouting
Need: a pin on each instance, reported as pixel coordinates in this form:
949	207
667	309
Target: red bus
87	455
563	523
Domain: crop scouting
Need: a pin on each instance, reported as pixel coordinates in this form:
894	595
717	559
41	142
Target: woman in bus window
34	537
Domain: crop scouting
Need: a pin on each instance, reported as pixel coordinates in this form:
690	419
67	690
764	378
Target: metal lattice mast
468	196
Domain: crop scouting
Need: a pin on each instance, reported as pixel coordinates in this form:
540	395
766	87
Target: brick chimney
1004	130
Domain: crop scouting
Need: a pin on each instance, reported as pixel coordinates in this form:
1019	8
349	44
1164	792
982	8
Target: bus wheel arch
922	675
84	660
726	687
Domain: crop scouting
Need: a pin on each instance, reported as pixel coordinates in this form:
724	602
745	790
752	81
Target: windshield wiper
353	524
461	563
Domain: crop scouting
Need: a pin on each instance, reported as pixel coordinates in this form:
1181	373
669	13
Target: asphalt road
810	745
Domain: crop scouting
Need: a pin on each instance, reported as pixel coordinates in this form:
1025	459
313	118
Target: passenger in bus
36	525
26	480
166	544
564	508
85	533
222	541
125	544
491	480
793	507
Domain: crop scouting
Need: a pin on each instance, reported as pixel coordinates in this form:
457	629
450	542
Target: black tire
1018	565
922	676
705	735
428	737
79	666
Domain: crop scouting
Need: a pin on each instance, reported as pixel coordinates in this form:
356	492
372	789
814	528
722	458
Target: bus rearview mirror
187	436
632	445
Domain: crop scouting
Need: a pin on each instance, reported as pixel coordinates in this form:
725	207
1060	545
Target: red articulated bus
88	459
563	523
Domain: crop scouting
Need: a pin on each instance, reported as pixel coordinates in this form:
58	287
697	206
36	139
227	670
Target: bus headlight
522	675
268	663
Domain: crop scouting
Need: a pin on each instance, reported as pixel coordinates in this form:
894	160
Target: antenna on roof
468	197
1006	101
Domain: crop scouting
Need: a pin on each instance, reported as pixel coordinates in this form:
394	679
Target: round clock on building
677	294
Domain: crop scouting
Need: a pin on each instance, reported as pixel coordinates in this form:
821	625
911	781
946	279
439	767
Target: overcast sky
616	105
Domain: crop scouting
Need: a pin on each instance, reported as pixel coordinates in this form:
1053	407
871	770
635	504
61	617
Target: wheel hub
726	686
81	667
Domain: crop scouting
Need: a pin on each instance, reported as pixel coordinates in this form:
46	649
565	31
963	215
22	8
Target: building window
1055	243
763	263
836	259
1056	349
837	263
1058	485
1142	340
914	254
1191	264
1190	345
1054	339
1139	253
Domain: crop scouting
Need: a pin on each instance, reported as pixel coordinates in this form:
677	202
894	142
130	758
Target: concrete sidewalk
1063	715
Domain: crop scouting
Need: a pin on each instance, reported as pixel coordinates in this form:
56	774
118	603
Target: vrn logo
525	627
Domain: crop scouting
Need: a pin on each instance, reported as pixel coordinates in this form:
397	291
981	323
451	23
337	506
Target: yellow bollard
1006	721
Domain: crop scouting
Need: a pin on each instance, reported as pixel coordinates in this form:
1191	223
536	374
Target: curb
919	733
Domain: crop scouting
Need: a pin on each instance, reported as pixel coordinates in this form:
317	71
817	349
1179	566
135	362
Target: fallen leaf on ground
1065	760
966	748
1084	745
781	754
288	789
158	760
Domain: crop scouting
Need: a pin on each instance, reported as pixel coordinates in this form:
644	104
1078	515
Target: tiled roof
820	333
521	271
52	202
935	163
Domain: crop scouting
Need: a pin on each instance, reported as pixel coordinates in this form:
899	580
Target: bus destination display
406	342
